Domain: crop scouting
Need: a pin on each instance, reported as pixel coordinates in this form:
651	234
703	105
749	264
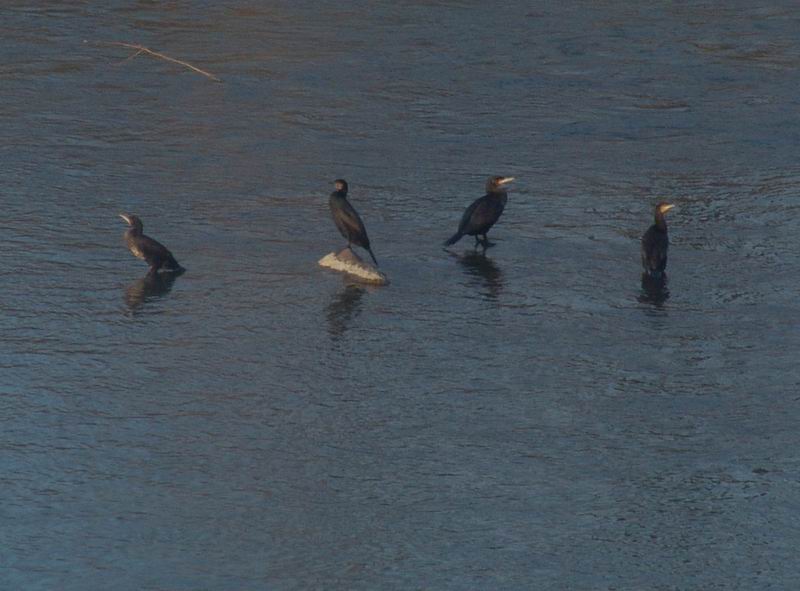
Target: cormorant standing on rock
655	243
484	212
143	247
347	218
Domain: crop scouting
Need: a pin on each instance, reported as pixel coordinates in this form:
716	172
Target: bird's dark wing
654	249
349	222
477	216
151	250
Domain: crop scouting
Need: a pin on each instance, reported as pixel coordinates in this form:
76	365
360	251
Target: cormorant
143	247
347	218
484	212
655	243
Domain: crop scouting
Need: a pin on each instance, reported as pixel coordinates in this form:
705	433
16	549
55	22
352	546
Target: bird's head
133	221
340	185
497	183
663	207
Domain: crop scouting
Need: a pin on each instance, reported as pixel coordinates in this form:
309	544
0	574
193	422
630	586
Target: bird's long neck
134	231
661	222
498	192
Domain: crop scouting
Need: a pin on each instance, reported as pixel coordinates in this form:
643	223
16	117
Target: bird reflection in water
654	290
478	265
149	287
344	307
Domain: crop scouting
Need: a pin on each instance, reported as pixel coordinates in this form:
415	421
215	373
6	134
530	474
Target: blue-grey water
528	419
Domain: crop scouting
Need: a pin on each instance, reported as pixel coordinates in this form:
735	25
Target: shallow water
531	418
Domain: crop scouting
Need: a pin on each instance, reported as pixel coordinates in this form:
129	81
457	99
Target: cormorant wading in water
655	243
143	247
484	212
347	218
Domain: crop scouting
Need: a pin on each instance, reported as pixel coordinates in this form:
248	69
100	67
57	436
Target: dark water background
531	419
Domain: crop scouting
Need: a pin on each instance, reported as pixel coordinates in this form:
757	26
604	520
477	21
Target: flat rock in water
349	262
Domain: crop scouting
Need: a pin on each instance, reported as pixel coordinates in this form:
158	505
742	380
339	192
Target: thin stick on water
130	57
142	49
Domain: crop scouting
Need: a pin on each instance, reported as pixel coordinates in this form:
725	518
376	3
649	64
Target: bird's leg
486	243
477	240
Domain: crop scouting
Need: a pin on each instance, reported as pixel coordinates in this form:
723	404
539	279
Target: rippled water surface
531	418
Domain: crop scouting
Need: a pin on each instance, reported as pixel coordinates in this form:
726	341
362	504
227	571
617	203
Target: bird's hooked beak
667	207
126	218
505	180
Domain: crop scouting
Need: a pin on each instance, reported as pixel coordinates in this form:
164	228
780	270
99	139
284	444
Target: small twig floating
142	49
131	56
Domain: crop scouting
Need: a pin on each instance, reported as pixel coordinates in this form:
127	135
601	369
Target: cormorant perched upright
655	243
484	212
347	218
143	247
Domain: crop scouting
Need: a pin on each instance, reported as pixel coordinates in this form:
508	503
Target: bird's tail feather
369	250
173	265
453	239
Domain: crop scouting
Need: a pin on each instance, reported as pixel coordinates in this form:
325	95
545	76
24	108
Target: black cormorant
655	243
143	247
347	218
484	212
